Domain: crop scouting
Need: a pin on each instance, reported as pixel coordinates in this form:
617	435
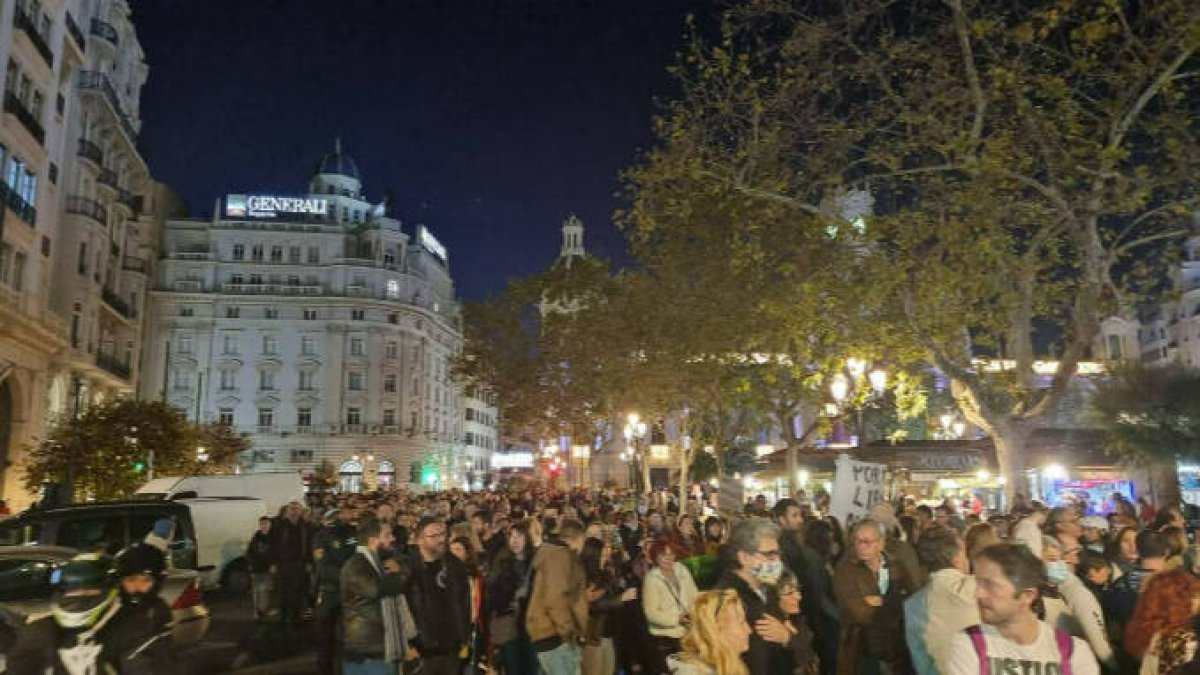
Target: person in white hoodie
1077	610
945	606
1029	530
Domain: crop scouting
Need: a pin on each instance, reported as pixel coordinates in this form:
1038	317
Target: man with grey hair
870	591
945	606
753	564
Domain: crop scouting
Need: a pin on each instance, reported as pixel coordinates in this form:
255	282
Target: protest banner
731	496
857	486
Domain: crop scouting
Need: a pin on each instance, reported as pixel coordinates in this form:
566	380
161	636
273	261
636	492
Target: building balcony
17	204
118	305
354	428
15	107
86	206
270	289
189	286
113	365
98	83
75	33
128	200
105	31
108	179
91	152
24	23
134	264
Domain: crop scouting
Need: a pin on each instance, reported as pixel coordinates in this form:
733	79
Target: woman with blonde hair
717	638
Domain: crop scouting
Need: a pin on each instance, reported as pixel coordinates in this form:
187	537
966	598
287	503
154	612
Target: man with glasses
439	597
753	566
870	591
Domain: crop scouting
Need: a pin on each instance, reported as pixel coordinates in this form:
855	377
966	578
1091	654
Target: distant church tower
572	244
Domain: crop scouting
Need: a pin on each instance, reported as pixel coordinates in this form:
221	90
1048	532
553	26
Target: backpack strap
980	644
1066	649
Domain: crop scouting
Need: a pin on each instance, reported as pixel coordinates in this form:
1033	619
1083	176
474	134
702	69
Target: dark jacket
602	611
362	588
439	597
505	579
339	544
767	658
289	543
135	641
258	553
853	581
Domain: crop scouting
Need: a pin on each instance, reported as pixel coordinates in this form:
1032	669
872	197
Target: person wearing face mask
752	564
870	591
1069	604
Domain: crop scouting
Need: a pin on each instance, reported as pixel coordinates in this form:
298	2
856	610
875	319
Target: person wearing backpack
1012	639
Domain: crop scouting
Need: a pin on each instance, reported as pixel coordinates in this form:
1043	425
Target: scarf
398	623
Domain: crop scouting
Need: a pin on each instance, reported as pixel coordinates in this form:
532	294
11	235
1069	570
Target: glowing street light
839	388
878	378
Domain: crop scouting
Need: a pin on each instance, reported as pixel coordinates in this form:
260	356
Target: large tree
1017	154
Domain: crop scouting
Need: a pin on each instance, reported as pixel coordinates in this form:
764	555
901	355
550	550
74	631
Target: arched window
386	474
393	289
351	475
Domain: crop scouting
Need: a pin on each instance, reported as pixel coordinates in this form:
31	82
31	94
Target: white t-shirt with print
1006	656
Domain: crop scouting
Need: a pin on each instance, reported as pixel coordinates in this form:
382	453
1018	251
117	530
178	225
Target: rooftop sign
267	206
431	244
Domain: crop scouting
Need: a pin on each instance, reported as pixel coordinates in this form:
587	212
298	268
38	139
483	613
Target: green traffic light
139	466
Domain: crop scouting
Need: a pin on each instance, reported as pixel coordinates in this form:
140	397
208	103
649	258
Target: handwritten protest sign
857	486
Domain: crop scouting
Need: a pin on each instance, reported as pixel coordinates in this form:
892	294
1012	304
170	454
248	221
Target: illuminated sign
264	206
431	244
512	460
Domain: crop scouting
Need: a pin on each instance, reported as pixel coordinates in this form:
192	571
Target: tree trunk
1166	483
792	467
646	489
686	459
1010	441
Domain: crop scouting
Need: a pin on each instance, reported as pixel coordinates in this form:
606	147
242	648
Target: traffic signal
139	466
429	475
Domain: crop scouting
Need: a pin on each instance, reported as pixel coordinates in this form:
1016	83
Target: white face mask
1057	572
768	573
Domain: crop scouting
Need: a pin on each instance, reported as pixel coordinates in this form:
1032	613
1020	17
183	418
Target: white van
275	488
223	527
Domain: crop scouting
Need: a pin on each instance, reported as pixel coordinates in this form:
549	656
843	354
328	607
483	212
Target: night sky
490	121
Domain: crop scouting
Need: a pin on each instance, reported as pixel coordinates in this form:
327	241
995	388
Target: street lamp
635	431
201	453
855	390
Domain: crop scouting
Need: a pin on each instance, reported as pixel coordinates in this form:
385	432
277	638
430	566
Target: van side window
16	534
104	534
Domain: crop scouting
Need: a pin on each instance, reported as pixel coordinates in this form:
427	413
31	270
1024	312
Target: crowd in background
603	582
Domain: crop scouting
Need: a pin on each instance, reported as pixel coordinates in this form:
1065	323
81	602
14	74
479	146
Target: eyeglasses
771	555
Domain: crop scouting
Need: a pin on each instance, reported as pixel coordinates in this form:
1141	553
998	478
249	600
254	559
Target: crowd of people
604	582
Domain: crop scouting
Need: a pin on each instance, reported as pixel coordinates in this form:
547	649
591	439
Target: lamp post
860	389
635	432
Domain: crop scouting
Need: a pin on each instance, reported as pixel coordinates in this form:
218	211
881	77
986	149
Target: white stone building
318	325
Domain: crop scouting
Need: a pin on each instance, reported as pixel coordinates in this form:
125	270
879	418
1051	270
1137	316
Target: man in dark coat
370	583
440	599
334	546
819	608
289	559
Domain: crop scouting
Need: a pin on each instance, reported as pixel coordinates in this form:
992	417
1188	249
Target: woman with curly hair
1166	601
717	638
1177	645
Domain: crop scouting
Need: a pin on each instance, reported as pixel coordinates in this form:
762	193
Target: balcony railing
91	80
86	206
75	33
24	210
270	289
105	31
90	151
16	108
134	264
128	199
25	23
113	365
108	178
119	305
190	255
189	286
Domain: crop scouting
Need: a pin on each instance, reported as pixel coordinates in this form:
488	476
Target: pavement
237	643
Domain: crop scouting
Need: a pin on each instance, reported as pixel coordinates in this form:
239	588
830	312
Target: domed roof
337	162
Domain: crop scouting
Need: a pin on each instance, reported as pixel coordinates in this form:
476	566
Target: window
306	381
233	312
353	416
81	265
225	416
228	380
256	252
184	344
354	380
229	344
293	280
276	254
239	252
294	255
182	379
266	380
314	255
389	383
357	314
255	279
237	279
271	313
393	318
357	346
310	315
266	418
186	311
270	345
308	346
360	281
389	350
389	417
393	289
303	417
18	272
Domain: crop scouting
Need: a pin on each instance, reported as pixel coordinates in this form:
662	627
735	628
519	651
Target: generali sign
268	206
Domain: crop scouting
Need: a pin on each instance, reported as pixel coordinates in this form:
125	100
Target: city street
237	643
